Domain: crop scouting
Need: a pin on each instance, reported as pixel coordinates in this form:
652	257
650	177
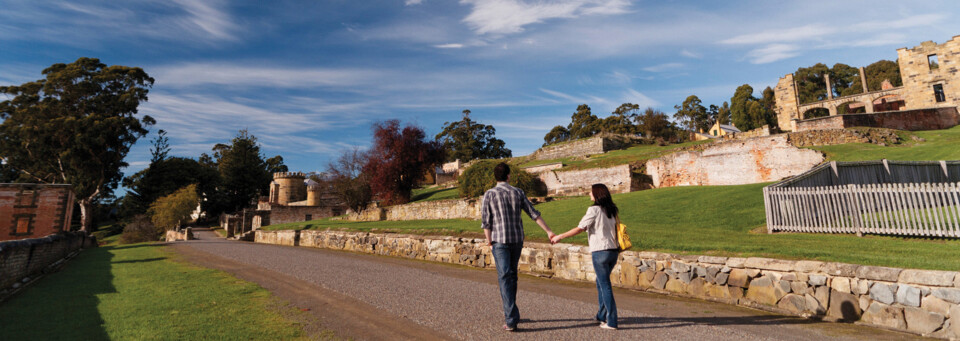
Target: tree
244	174
169	212
654	123
583	123
348	181
75	126
811	85
556	135
161	147
739	107
467	140
621	120
882	70
845	80
398	160
768	115
164	177
692	115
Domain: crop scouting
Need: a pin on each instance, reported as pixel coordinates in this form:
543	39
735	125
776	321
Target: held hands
555	239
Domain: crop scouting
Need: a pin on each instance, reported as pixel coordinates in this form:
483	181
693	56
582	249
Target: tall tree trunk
86	215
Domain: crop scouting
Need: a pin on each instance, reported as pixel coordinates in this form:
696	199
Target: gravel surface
464	303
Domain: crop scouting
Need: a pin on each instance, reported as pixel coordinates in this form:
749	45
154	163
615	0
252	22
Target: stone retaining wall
22	260
734	162
918	301
577	182
918	119
174	235
598	144
427	210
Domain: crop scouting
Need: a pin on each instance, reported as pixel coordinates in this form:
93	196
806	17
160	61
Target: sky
309	78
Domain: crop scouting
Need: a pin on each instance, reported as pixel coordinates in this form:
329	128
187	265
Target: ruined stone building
292	198
927	99
34	210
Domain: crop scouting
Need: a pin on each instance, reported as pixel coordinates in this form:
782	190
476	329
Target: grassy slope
939	145
135	292
616	157
434	193
713	220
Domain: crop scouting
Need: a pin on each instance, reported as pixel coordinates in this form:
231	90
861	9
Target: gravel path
464	303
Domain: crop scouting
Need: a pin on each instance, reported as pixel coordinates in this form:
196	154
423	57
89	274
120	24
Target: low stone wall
543	168
733	162
577	182
918	301
592	145
829	137
759	132
22	260
427	210
174	235
281	237
918	119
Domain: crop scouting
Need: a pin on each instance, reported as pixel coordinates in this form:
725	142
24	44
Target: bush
171	211
479	178
139	230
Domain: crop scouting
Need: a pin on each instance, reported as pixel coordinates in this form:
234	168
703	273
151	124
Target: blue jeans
507	258
603	263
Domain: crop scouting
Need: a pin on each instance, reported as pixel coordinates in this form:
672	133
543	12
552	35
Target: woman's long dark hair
602	198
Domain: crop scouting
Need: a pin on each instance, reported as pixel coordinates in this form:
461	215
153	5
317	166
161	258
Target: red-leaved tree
399	160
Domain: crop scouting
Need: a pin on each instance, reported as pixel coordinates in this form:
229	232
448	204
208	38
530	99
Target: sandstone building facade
930	81
292	198
34	210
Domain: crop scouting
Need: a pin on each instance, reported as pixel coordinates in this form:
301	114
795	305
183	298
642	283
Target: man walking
501	223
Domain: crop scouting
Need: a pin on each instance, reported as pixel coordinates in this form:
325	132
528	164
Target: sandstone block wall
919	78
427	210
917	301
34	210
787	104
917	119
27	258
733	163
543	168
174	235
577	182
588	146
842	136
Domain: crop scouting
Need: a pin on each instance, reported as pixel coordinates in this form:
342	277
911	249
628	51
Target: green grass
939	145
711	220
136	292
616	157
434	193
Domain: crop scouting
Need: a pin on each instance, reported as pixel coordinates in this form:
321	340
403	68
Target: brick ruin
34	210
292	198
930	80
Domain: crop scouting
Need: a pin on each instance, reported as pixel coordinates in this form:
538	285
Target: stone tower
287	187
313	195
786	97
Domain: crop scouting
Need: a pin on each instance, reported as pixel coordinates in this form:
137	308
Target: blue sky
309	77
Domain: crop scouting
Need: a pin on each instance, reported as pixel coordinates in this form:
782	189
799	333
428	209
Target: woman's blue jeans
603	263
507	258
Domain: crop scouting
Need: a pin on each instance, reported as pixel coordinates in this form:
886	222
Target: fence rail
877	202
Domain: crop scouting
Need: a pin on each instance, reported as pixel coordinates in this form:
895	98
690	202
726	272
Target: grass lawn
434	193
939	145
712	220
137	292
616	157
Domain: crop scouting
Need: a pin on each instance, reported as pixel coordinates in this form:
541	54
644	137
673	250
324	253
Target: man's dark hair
501	171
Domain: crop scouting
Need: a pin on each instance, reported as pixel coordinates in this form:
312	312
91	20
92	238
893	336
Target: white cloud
499	17
449	46
690	54
412	2
772	53
636	97
192	74
663	67
805	32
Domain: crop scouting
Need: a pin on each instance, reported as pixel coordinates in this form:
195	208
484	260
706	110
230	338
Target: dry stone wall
577	182
23	260
733	163
841	136
918	119
917	301
593	145
427	210
174	235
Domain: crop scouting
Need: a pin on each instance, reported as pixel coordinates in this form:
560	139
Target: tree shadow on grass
63	305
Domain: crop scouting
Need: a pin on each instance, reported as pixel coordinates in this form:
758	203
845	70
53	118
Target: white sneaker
603	325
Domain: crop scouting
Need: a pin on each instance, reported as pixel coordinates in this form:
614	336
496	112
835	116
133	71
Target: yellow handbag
622	237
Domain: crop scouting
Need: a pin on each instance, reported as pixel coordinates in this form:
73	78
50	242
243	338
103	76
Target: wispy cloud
690	54
412	2
792	34
663	67
247	74
499	17
449	46
772	53
636	97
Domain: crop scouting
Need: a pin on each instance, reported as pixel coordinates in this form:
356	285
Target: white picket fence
923	209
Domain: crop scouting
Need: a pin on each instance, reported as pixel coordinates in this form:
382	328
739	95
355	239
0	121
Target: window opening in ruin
938	93
23	225
933	62
27	198
308	218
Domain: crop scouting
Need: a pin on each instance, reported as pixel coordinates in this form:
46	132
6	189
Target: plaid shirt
500	212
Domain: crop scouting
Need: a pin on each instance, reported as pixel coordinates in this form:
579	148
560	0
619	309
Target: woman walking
600	222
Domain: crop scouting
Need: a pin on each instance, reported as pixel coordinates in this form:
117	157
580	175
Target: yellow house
721	130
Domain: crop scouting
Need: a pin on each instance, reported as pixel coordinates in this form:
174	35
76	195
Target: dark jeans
603	263
507	257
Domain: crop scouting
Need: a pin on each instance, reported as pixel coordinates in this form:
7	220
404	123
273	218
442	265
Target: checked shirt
500	213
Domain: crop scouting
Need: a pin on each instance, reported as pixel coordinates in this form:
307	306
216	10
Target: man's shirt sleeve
527	206
485	214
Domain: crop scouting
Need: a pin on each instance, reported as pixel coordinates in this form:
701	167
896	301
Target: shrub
139	230
479	178
171	211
